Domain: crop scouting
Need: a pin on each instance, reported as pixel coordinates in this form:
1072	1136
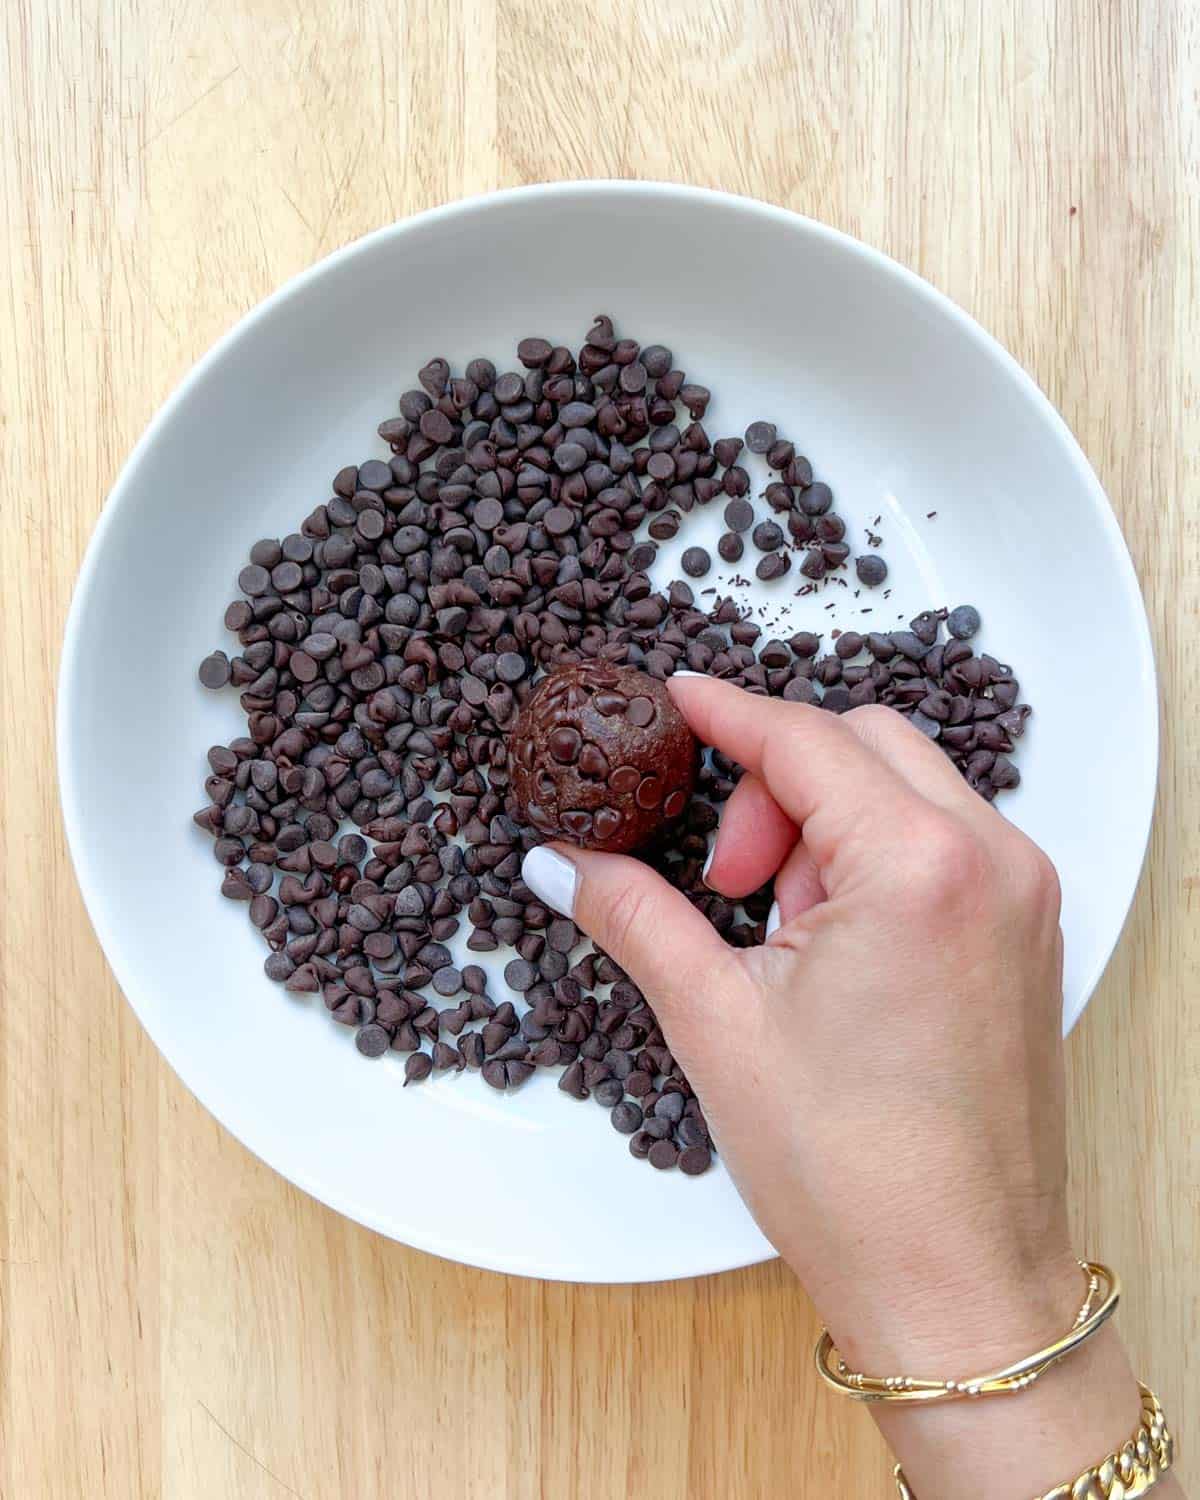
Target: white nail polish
708	859
552	878
774	921
686	672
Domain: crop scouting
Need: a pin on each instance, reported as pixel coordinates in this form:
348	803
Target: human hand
884	1075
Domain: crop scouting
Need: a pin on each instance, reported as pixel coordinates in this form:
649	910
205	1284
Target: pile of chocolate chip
387	645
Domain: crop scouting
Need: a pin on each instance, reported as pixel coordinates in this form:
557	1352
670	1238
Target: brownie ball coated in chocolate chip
600	756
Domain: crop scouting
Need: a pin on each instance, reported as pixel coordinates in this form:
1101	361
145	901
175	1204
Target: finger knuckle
948	863
1037	879
625	917
873	719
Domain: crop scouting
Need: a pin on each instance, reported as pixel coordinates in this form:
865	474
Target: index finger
838	791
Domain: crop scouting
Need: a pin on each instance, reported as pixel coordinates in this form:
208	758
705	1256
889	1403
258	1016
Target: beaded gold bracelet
1132	1470
1007	1381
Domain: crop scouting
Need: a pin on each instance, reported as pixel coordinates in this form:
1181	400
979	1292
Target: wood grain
176	1321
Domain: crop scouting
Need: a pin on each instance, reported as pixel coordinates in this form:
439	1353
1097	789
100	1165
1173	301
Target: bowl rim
88	875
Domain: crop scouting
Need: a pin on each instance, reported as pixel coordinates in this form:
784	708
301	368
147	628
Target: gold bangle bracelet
1007	1381
1132	1470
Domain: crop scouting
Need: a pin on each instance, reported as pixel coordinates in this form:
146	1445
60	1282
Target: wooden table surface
177	1321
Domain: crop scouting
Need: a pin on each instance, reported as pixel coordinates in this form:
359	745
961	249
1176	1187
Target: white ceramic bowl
902	402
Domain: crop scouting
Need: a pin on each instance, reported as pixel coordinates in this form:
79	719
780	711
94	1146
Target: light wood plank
175	1321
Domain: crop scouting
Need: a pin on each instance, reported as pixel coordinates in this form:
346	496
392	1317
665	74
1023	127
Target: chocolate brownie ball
601	757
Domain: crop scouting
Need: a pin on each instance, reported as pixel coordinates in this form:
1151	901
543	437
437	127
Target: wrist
957	1317
972	1316
997	1448
957	1308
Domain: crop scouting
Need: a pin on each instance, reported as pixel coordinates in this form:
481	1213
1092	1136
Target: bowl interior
901	403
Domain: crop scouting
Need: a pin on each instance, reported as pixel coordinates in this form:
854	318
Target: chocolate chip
519	975
963	622
694	1160
928	727
739	514
663	528
871	569
760	436
510	666
568	459
372	1040
214	670
773	565
663	1155
564	744
780	454
417	1068
562	935
254	580
816	499
848	645
534	353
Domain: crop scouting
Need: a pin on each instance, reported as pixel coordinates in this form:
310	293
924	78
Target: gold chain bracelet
1007	1381
1132	1470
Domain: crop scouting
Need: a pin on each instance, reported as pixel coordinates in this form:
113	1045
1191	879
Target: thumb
670	951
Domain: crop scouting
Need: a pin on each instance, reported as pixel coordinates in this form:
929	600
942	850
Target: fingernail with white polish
552	878
708	859
774	921
685	672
